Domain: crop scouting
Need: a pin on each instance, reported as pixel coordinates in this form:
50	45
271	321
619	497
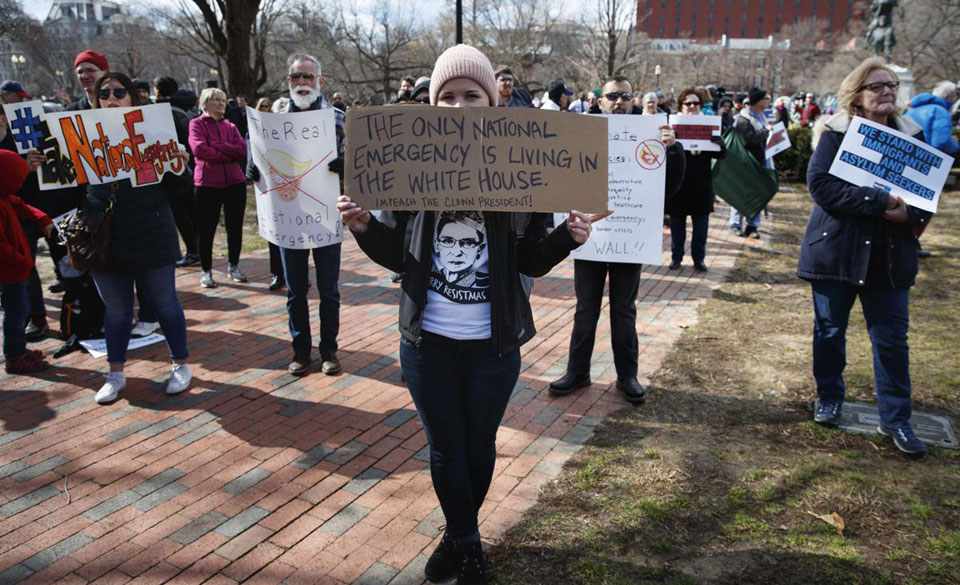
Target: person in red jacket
16	263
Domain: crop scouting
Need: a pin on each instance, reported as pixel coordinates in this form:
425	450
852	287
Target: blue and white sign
874	155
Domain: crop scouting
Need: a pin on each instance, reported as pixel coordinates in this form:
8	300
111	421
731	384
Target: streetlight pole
656	71
459	21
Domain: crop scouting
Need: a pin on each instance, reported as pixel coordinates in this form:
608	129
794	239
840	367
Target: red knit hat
13	171
93	57
463	61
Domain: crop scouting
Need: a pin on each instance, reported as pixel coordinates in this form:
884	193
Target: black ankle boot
473	567
444	563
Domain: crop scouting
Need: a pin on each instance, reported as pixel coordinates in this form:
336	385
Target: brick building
711	19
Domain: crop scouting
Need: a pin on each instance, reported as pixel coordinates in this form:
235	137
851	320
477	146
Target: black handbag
87	235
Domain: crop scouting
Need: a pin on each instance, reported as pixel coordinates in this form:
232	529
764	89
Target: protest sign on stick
636	184
109	144
297	193
695	131
778	140
23	119
874	155
486	159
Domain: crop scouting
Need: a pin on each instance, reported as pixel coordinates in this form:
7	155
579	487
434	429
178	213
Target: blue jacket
846	225
933	115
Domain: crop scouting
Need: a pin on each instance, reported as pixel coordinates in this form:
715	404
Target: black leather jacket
405	245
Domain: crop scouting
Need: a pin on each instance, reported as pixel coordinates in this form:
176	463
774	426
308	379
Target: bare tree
225	34
612	47
13	19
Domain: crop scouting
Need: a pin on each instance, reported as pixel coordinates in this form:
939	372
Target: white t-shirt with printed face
458	290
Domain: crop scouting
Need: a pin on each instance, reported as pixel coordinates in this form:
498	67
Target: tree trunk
238	19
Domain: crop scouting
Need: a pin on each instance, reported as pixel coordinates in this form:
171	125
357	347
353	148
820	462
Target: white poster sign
109	144
23	120
297	193
695	131
97	348
778	140
635	188
874	155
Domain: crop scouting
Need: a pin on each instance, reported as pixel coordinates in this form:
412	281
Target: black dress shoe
568	383
632	390
277	283
674	265
57	287
699	266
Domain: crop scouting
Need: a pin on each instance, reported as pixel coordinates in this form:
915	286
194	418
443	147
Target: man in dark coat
590	277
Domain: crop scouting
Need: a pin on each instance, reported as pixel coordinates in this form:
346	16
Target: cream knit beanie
463	61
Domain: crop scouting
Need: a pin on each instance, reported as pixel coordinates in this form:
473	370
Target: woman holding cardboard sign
143	248
860	243
463	317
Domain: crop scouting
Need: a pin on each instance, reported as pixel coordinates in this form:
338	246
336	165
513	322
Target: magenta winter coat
219	150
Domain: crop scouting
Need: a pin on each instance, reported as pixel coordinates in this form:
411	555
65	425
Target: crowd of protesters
460	359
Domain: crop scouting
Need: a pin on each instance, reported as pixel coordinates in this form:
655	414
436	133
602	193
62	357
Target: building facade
712	19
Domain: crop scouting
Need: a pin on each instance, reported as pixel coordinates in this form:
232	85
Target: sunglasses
691	104
614	95
465	243
304	76
880	86
118	92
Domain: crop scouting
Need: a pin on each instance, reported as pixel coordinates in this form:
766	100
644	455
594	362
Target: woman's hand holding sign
352	215
579	223
896	210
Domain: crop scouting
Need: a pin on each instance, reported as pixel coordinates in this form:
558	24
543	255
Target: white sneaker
206	280
234	272
180	378
116	381
144	328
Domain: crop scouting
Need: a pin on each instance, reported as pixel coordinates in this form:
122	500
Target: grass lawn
718	478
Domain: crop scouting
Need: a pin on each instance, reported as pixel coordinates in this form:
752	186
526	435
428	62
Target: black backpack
81	316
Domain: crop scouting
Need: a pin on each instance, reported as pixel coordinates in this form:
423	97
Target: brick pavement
254	476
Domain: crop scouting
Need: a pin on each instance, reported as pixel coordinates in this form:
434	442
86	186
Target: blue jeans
461	390
296	267
158	286
16	305
678	236
36	309
736	220
886	311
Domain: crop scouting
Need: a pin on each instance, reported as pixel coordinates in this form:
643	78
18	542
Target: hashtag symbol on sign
26	129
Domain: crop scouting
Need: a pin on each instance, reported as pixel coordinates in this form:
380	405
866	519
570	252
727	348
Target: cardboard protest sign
486	159
778	140
109	144
23	119
874	155
695	131
297	193
636	184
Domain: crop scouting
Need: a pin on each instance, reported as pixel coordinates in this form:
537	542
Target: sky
428	8
40	8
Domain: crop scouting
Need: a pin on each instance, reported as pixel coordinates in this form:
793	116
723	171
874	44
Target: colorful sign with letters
109	144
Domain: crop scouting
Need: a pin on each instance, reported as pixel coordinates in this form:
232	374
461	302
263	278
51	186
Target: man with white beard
304	81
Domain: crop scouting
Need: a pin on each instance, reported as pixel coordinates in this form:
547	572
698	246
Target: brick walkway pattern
254	476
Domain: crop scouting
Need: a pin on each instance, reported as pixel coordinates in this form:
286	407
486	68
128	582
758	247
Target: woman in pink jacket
220	154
